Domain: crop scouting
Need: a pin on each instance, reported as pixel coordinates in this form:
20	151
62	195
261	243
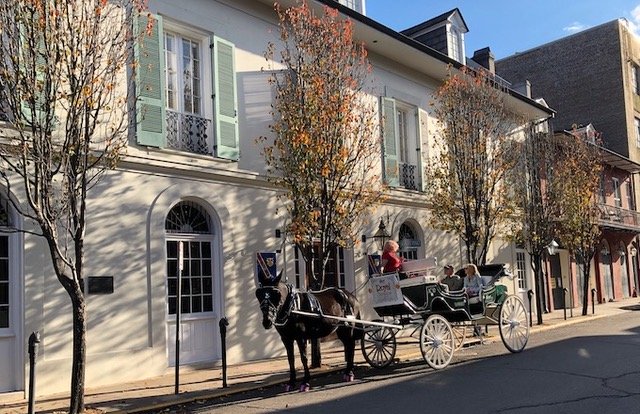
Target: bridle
278	314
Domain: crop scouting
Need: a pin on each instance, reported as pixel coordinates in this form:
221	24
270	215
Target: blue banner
266	267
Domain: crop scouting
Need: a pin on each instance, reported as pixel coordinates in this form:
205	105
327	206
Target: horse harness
295	301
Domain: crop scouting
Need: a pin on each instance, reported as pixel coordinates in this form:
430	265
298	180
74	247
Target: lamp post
381	236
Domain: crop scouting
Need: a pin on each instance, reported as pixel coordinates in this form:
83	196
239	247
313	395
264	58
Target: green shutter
423	140
149	55
389	142
225	98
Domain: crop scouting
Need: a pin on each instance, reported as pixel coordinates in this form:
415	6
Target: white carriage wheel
379	346
459	335
437	342
513	324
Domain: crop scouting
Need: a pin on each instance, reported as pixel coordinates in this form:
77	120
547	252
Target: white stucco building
195	174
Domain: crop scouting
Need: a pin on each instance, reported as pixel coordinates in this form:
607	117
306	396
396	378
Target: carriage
419	302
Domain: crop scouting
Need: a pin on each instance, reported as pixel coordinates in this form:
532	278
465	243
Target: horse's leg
346	337
302	347
288	345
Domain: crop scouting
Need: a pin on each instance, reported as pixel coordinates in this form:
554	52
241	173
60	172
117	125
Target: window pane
172	268
172	306
172	249
206	249
196	286
4	246
206	285
186	287
4	316
207	304
206	268
196	304
195	249
171	286
4	269
195	268
186	305
4	293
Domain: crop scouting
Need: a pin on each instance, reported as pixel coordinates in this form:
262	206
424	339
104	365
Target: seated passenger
473	281
391	262
450	279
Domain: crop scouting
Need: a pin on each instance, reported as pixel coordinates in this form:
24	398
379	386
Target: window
179	71
636	122
630	204
403	126
334	275
601	192
617	197
456	50
635	78
4	272
188	229
408	243
521	270
357	5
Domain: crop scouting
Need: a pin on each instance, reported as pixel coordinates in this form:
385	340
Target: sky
508	26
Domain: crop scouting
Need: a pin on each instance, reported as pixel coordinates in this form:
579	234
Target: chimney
523	88
484	57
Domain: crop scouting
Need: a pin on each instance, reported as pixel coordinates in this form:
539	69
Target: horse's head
270	298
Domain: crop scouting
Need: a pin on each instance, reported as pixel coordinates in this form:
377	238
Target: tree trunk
585	289
76	404
538	274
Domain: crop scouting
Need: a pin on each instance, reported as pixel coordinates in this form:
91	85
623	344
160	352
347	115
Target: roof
612	158
432	22
385	41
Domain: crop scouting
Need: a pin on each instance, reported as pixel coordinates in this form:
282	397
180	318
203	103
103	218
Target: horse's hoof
304	387
348	377
288	387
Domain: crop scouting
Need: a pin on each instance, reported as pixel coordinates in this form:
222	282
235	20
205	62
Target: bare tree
63	67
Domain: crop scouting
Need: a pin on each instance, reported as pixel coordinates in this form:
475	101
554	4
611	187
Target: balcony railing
619	217
187	132
409	177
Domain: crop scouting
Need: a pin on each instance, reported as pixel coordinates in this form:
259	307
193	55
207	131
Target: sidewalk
199	384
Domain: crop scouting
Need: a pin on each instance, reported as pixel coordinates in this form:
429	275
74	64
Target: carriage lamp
552	247
633	251
381	236
621	251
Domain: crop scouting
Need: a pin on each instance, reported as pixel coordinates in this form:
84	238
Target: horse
277	303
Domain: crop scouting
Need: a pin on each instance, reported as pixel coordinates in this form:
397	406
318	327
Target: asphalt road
591	367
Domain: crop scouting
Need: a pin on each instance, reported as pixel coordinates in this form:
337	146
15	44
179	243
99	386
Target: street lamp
552	247
381	236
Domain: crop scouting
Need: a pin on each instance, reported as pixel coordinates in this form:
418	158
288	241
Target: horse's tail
352	307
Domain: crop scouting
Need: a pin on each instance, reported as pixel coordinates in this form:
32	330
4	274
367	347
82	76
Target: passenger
473	281
391	262
452	280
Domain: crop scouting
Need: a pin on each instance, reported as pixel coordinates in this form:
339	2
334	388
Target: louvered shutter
389	142
150	112
423	142
225	98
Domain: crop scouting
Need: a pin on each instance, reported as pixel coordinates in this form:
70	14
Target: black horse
277	303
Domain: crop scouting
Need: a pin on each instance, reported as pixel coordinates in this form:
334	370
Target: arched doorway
188	228
624	270
11	353
605	273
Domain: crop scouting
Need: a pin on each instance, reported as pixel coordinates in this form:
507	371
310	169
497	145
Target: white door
188	225
10	320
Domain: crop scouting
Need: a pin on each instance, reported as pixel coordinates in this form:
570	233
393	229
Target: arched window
188	217
408	243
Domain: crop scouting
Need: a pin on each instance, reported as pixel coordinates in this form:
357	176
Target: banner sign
385	290
266	267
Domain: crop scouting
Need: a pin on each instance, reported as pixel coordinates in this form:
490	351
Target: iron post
34	341
223	341
593	301
564	302
530	295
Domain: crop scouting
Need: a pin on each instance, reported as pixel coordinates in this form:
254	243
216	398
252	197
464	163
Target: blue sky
508	26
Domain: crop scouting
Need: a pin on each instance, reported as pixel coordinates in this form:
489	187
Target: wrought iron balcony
619	218
409	177
187	132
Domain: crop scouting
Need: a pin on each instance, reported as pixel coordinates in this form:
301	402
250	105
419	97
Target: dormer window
357	5
444	33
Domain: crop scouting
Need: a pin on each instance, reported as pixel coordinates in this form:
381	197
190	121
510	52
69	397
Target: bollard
564	302
530	295
34	340
223	341
593	301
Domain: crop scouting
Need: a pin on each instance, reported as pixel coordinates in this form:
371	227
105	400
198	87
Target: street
591	367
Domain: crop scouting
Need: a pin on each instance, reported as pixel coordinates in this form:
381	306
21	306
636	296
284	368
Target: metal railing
409	177
618	216
188	132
